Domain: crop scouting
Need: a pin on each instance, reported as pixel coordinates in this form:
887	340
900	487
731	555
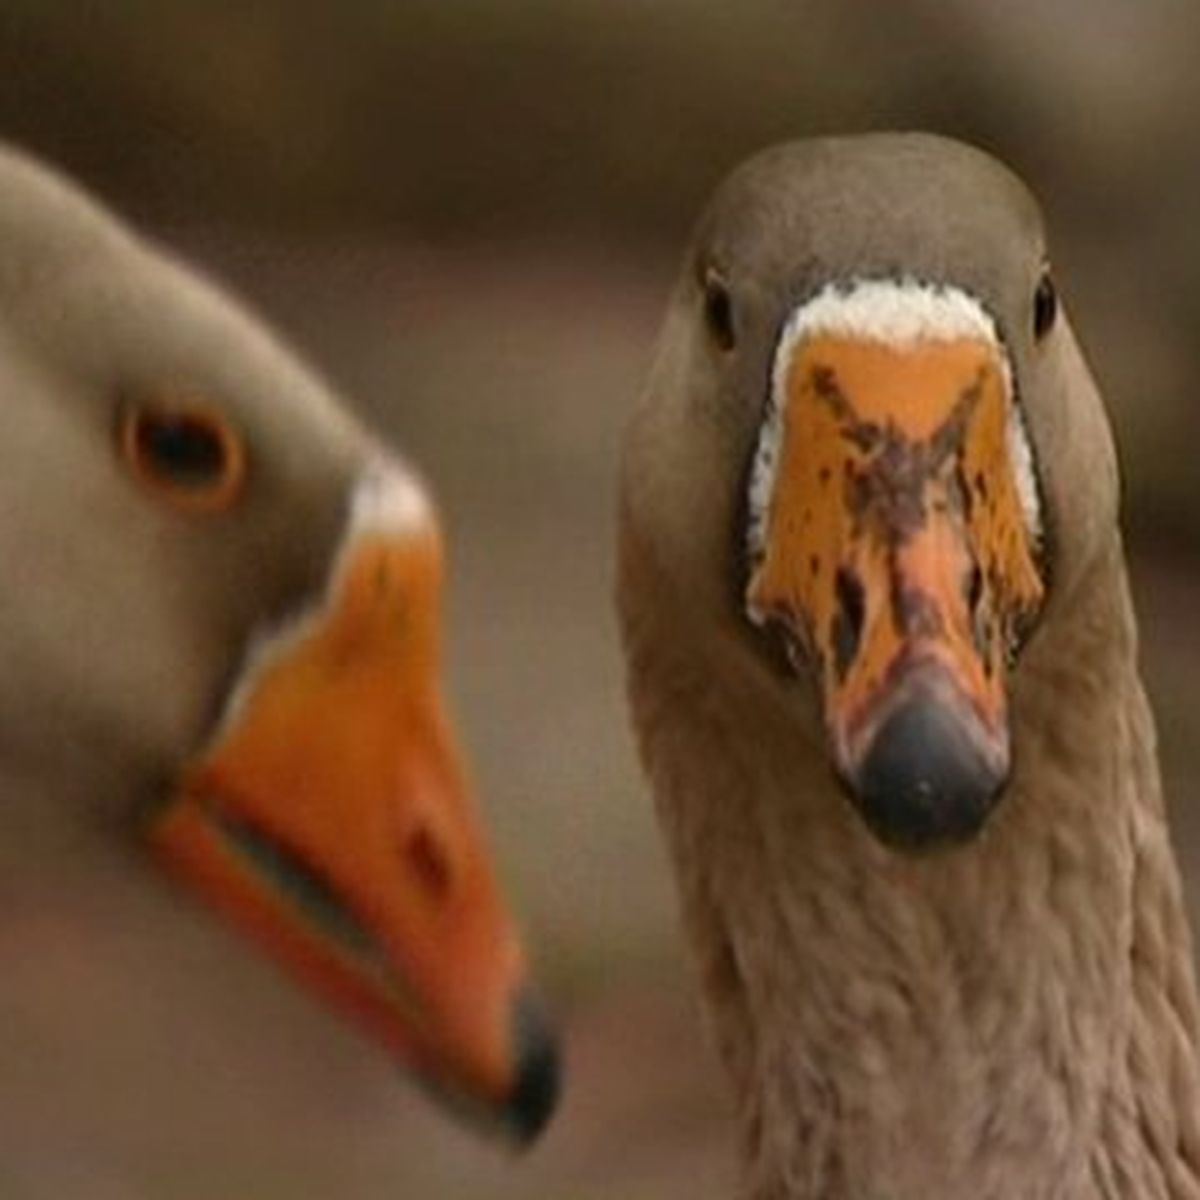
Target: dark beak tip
517	1114
538	1076
929	776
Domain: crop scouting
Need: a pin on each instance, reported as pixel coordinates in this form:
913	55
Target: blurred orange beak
330	820
897	555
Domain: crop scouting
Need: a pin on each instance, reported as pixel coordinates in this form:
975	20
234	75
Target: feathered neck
1016	1017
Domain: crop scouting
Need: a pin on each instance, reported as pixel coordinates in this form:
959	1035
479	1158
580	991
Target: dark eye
718	311
1045	306
187	455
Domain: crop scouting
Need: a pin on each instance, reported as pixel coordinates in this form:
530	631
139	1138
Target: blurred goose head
221	635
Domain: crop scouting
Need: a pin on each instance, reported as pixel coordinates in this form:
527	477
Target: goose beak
330	820
899	558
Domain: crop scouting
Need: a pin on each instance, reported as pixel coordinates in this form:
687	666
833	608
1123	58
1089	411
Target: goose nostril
974	589
982	626
428	863
848	621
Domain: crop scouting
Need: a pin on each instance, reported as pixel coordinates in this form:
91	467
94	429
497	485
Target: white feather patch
387	499
897	313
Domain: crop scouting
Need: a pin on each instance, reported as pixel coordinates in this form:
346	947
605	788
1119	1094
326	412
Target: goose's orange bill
330	819
898	556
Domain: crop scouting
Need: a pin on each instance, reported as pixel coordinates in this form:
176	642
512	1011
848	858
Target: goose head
870	464
220	634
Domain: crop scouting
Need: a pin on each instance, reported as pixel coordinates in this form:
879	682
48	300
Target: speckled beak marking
330	819
894	534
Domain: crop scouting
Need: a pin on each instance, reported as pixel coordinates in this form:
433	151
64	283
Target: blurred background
467	214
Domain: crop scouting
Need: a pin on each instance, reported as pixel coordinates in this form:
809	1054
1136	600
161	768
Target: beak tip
538	1077
928	776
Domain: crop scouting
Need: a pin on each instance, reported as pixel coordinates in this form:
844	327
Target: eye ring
184	453
718	310
1045	305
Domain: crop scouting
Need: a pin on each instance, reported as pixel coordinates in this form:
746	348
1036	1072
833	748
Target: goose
882	665
220	635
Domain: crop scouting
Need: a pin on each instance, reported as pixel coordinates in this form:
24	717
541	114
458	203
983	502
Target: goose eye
1045	306
718	311
187	455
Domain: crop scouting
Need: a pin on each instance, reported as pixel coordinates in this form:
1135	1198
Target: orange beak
898	556
331	821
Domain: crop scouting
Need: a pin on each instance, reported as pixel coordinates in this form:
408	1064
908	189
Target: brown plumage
939	927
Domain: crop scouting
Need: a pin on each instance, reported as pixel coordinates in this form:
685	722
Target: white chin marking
897	313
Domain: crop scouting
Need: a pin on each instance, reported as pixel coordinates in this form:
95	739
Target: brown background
467	212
